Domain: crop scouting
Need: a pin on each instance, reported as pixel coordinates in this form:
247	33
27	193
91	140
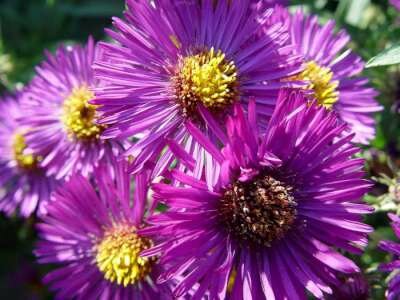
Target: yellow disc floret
24	160
320	82
207	78
118	256
79	115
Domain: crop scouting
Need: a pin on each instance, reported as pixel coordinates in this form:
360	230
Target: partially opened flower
393	291
351	287
278	205
90	233
332	71
61	120
24	186
172	56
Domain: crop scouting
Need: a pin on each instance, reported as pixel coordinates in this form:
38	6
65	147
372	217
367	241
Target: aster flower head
91	233
333	74
265	224
24	185
173	56
393	291
331	71
62	122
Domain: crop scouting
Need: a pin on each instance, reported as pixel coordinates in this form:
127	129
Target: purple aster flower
396	4
90	231
172	56
392	247
63	129
276	206
332	71
24	185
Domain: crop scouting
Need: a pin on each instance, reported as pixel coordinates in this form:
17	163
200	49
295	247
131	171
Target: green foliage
388	57
30	27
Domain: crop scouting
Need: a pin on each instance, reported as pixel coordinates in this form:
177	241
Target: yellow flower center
118	256
207	78
320	83
24	161
79	115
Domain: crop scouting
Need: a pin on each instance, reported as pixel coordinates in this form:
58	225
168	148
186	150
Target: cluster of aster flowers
207	152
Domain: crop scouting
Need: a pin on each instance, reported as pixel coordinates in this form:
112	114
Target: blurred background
29	27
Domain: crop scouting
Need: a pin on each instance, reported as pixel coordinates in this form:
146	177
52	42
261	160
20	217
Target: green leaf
390	56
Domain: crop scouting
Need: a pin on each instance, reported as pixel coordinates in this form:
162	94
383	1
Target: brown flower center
260	211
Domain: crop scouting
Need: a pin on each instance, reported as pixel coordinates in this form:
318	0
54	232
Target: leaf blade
388	57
